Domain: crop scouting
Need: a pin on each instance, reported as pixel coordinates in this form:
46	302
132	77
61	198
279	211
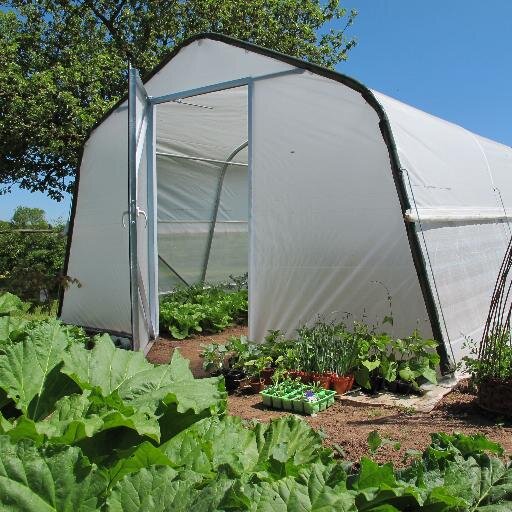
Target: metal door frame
134	83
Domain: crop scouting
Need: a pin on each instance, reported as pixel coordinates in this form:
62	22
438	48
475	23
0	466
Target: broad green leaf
153	489
137	382
407	374
371	365
106	368
362	377
372	474
309	492
29	371
71	421
76	418
214	442
60	480
10	303
12	329
374	441
143	456
286	444
388	370
497	485
430	375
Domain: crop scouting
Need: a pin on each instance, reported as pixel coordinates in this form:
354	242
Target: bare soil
346	425
161	351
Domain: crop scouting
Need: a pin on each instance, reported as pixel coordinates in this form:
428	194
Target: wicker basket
496	396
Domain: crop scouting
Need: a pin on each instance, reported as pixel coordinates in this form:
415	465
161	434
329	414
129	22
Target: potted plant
491	370
372	351
213	355
345	358
414	358
254	368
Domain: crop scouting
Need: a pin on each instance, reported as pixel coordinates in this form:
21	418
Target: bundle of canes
496	340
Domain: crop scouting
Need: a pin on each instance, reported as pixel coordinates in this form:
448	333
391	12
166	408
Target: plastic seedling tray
277	402
330	397
293	398
266	398
287	401
312	407
298	403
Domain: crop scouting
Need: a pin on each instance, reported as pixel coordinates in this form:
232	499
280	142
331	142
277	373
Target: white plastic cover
98	255
325	234
460	189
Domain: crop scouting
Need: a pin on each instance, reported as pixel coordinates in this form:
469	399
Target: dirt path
347	425
162	350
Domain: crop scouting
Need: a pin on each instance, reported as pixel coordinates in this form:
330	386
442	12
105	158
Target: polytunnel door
141	214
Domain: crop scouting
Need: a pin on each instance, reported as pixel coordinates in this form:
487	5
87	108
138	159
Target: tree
63	65
25	217
31	261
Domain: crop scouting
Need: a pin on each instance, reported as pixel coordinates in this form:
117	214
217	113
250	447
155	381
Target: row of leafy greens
102	429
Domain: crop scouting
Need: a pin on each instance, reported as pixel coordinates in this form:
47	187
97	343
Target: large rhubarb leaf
77	417
12	330
377	486
171	389
312	491
214	442
154	489
61	480
482	482
144	455
107	369
287	444
137	381
9	303
30	371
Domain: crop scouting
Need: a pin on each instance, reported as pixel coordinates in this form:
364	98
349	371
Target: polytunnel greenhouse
231	158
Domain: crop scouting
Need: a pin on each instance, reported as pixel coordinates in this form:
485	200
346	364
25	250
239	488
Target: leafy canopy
63	65
31	251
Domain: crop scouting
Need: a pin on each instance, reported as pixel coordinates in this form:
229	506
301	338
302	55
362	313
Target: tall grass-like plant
327	347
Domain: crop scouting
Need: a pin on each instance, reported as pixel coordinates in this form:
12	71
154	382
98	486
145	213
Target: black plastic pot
232	379
376	384
392	386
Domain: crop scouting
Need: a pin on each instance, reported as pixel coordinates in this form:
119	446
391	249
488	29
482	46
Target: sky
451	58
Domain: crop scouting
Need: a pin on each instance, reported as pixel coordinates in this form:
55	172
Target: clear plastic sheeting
203	199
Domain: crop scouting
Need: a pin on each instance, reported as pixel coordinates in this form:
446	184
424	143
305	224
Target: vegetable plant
202	307
102	429
214	356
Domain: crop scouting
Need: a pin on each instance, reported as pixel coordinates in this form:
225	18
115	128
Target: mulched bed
346	425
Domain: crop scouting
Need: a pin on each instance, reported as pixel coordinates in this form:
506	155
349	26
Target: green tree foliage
31	253
63	64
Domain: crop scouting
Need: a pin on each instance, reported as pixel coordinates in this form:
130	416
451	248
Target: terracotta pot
342	383
323	379
257	385
292	374
266	375
305	377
